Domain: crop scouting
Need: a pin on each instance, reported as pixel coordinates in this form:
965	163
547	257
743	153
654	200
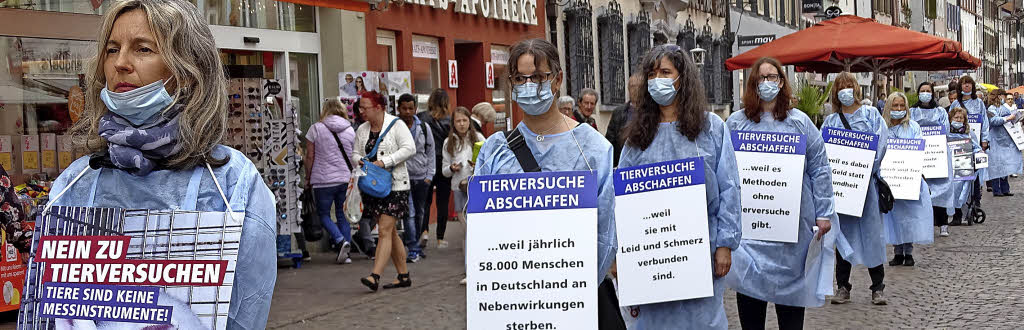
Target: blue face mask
767	90
140	104
846	97
534	101
897	114
957	125
924	97
662	90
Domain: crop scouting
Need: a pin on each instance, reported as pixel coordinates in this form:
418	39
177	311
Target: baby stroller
970	199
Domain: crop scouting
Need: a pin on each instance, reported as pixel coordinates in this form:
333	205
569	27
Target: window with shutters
638	33
579	47
609	38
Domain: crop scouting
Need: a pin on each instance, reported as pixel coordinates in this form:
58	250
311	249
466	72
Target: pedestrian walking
865	234
556	141
421	167
669	127
567	105
1004	157
387	144
962	190
777	272
328	171
909	221
588	105
154	119
615	133
438	118
926	113
975	106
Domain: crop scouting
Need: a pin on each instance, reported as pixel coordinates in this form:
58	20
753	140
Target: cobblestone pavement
972	279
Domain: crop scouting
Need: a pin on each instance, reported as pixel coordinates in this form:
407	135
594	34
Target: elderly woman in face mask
154	119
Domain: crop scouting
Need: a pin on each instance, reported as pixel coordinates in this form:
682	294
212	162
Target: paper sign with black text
851	155
936	152
531	251
974	122
901	167
661	216
771	168
1015	133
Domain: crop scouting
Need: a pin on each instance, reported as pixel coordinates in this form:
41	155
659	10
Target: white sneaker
463	281
347	261
343	252
944	231
424	238
442	244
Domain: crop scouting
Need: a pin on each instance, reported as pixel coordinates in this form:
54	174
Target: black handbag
312	229
885	198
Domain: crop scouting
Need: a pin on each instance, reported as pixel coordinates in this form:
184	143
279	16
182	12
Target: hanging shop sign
516	11
749	41
453	74
489	68
812	6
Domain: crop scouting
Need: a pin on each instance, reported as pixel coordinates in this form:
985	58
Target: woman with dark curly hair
671	122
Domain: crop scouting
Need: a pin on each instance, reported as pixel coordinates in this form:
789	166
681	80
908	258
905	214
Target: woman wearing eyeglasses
864	233
767	271
672	122
558	142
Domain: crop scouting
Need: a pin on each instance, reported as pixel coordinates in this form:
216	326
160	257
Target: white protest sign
980	160
963	159
531	251
974	122
661	216
851	155
771	168
936	152
1015	133
901	167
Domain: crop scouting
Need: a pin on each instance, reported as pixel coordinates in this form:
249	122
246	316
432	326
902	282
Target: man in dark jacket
617	126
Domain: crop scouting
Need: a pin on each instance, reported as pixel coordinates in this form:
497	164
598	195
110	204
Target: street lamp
698	56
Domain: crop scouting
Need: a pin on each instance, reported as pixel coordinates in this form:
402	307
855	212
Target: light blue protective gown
1003	156
775	271
721	184
977	106
256	267
560	153
910	221
941	189
961	189
866	234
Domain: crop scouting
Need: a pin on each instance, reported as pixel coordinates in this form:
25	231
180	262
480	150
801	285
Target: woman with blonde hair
909	221
328	171
865	234
154	119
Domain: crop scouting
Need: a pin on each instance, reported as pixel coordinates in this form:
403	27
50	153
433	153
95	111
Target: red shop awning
352	5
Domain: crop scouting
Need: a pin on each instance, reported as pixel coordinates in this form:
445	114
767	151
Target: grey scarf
139	150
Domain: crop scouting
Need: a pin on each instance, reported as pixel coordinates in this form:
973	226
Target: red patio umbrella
860	45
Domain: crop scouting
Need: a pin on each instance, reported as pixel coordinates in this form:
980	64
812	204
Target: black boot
958	218
896	260
909	261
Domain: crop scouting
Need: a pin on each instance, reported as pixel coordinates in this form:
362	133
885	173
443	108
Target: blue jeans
1000	186
325	197
416	224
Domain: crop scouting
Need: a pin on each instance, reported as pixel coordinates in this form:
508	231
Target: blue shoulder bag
377	181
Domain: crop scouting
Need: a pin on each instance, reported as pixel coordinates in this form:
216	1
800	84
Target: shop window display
260	14
426	71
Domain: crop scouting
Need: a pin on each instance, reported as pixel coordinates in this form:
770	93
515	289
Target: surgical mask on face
957	125
534	101
846	97
897	114
662	90
140	104
924	97
767	90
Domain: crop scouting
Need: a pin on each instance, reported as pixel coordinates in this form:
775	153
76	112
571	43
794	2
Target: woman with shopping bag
328	171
